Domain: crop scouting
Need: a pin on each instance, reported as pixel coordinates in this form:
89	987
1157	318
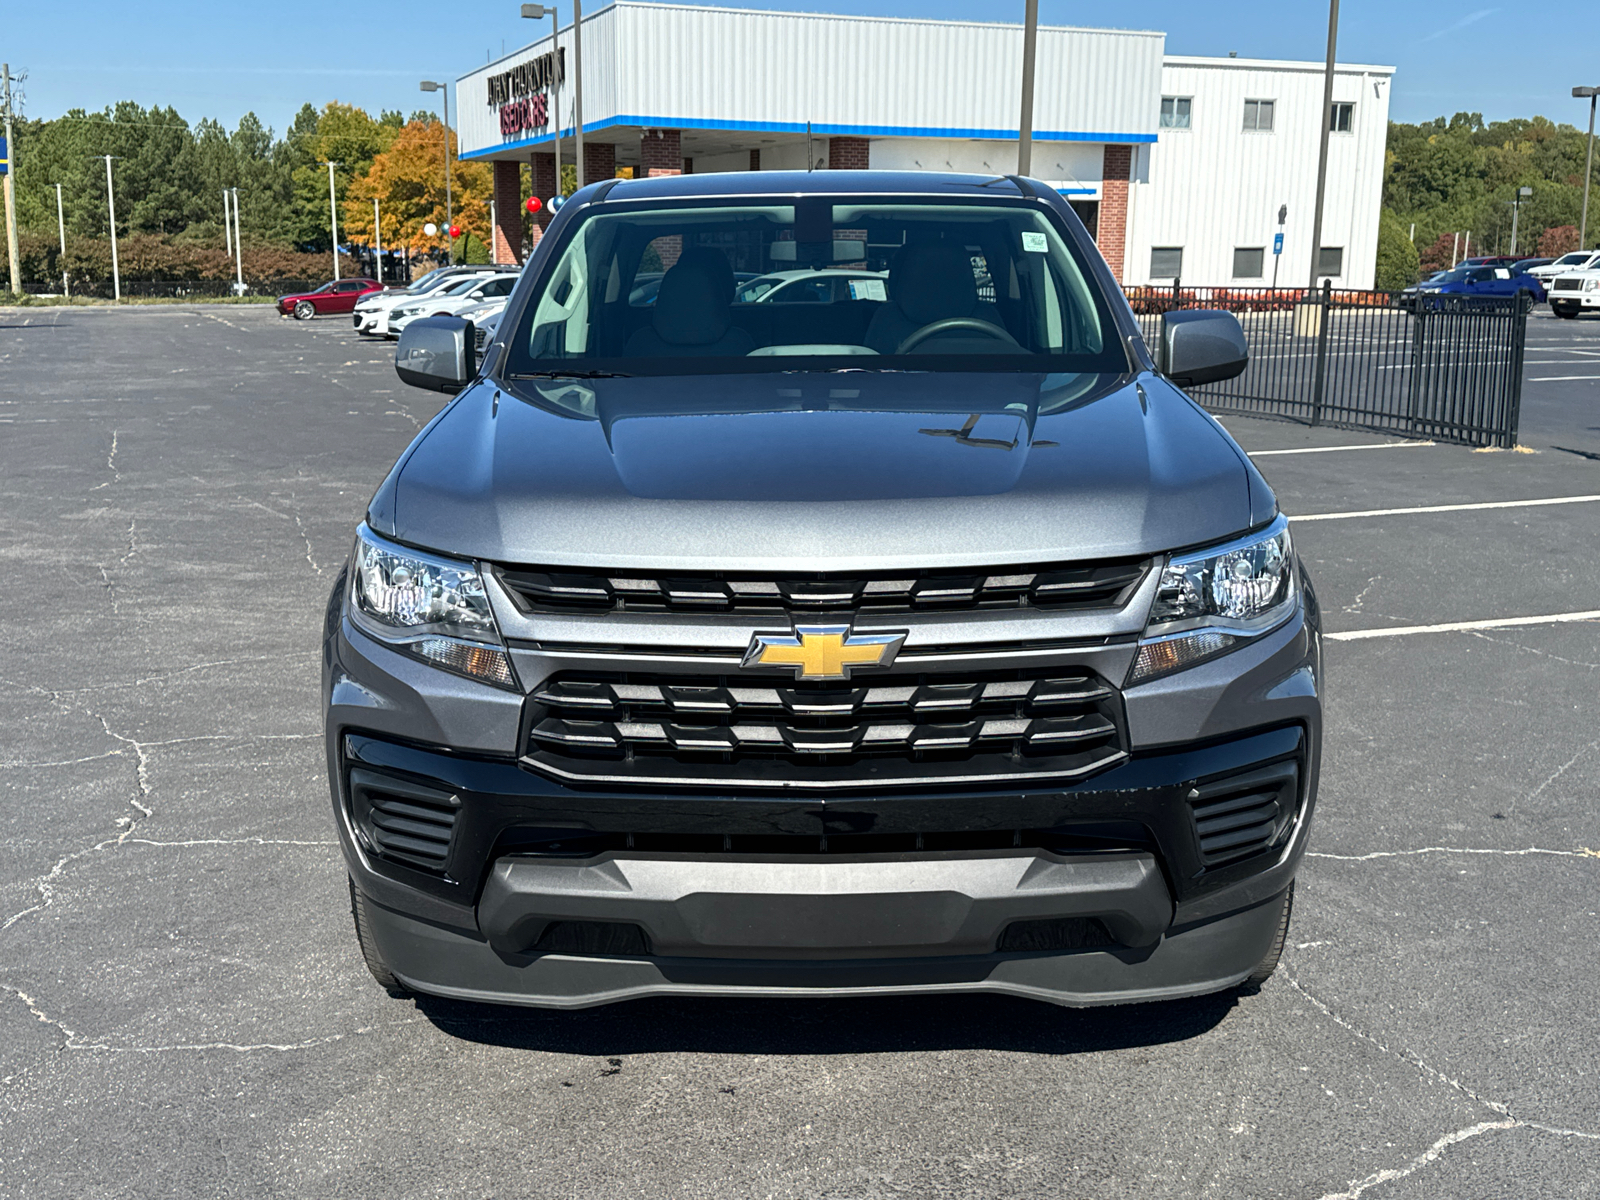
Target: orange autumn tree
408	180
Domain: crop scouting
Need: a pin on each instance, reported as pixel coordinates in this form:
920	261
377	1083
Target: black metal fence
1442	367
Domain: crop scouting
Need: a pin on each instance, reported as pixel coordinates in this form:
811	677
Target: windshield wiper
571	375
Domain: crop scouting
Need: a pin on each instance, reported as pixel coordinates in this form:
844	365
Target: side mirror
1201	345
437	353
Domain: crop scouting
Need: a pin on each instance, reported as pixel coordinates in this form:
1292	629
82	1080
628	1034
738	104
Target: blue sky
221	59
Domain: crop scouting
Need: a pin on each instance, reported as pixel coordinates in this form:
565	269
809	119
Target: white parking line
1558	378
1434	508
1331	449
1356	635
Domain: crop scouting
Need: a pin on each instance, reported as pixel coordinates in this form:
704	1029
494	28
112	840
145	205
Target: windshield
857	283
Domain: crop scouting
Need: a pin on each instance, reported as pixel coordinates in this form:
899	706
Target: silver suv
925	640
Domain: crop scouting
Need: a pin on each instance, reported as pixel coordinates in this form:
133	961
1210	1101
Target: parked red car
340	296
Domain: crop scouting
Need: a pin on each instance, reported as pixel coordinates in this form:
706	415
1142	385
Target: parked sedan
466	294
1478	281
336	296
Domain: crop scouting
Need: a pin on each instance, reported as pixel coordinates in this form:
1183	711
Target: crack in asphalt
111	464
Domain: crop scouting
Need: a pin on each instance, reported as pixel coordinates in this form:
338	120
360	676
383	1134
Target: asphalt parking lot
183	1010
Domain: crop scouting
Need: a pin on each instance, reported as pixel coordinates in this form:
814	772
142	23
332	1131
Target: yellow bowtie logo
822	651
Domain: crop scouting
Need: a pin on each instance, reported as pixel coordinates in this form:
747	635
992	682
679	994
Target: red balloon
533	204
455	231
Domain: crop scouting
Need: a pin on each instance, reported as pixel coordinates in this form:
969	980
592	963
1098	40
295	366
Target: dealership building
1180	166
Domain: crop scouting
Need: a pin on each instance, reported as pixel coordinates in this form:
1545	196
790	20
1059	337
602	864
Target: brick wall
849	153
599	161
508	214
543	167
660	153
1111	234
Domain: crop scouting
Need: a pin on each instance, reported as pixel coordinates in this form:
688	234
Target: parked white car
371	315
485	320
1572	292
1578	260
813	287
448	303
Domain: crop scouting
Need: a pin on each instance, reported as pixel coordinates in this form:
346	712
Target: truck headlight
433	608
1591	285
1210	600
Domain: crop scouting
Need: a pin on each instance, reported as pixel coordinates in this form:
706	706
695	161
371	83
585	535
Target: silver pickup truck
914	637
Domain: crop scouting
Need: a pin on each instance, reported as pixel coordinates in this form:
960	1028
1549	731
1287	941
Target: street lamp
449	213
536	12
1586	93
1030	41
1516	204
333	217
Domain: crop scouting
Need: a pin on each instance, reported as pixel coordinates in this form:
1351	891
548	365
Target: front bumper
547	894
1575	301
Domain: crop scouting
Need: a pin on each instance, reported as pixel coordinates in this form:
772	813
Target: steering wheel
935	328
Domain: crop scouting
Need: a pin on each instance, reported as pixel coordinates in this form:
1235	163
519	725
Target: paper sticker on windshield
1034	243
868	289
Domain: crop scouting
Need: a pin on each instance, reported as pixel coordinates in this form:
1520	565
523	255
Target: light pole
61	224
377	241
429	85
111	209
333	217
1589	159
1030	42
1322	155
238	244
227	225
11	190
536	12
577	90
1516	204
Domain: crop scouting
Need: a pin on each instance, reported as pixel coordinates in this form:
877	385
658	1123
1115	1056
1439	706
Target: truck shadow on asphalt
830	1026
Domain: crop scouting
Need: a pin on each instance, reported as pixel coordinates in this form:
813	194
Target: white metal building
674	88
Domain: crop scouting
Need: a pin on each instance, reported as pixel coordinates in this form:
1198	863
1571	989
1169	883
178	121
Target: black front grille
1057	588
1567	285
742	730
1244	814
401	820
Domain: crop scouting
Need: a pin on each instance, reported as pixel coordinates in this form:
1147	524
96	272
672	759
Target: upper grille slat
1098	585
664	730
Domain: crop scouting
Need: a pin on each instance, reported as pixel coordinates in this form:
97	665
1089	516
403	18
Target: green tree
1397	257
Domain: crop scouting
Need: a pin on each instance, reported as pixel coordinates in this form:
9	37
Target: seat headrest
691	306
932	282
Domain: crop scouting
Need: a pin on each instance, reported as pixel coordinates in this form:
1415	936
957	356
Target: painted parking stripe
1331	449
1559	378
1437	508
1357	635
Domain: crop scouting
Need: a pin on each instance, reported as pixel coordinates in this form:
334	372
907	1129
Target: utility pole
227	225
333	207
377	241
577	90
238	243
429	85
1589	160
1030	43
111	209
1322	155
61	224
11	190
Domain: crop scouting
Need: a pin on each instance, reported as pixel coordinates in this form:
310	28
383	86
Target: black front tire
369	946
1566	314
1269	961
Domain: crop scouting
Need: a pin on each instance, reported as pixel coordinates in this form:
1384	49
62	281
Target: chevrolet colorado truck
927	639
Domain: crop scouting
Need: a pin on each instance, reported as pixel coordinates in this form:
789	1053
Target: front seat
690	316
927	283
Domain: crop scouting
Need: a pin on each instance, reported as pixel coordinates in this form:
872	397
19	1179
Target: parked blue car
1478	281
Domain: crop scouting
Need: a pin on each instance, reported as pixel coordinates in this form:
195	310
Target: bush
1398	262
1558	240
148	256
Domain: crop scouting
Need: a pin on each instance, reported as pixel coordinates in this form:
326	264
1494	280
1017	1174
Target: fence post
1519	339
1321	378
1419	311
1176	302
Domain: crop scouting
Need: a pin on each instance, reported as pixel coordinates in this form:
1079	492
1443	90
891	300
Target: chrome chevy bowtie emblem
822	651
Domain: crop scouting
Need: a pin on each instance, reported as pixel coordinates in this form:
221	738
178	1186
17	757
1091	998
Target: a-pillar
1111	229
599	161
849	153
507	212
543	166
660	153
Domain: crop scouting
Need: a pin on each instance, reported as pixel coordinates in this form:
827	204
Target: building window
1342	119
1248	261
1330	262
1258	116
1166	262
1175	112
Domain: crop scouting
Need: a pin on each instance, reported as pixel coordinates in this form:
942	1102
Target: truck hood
831	471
